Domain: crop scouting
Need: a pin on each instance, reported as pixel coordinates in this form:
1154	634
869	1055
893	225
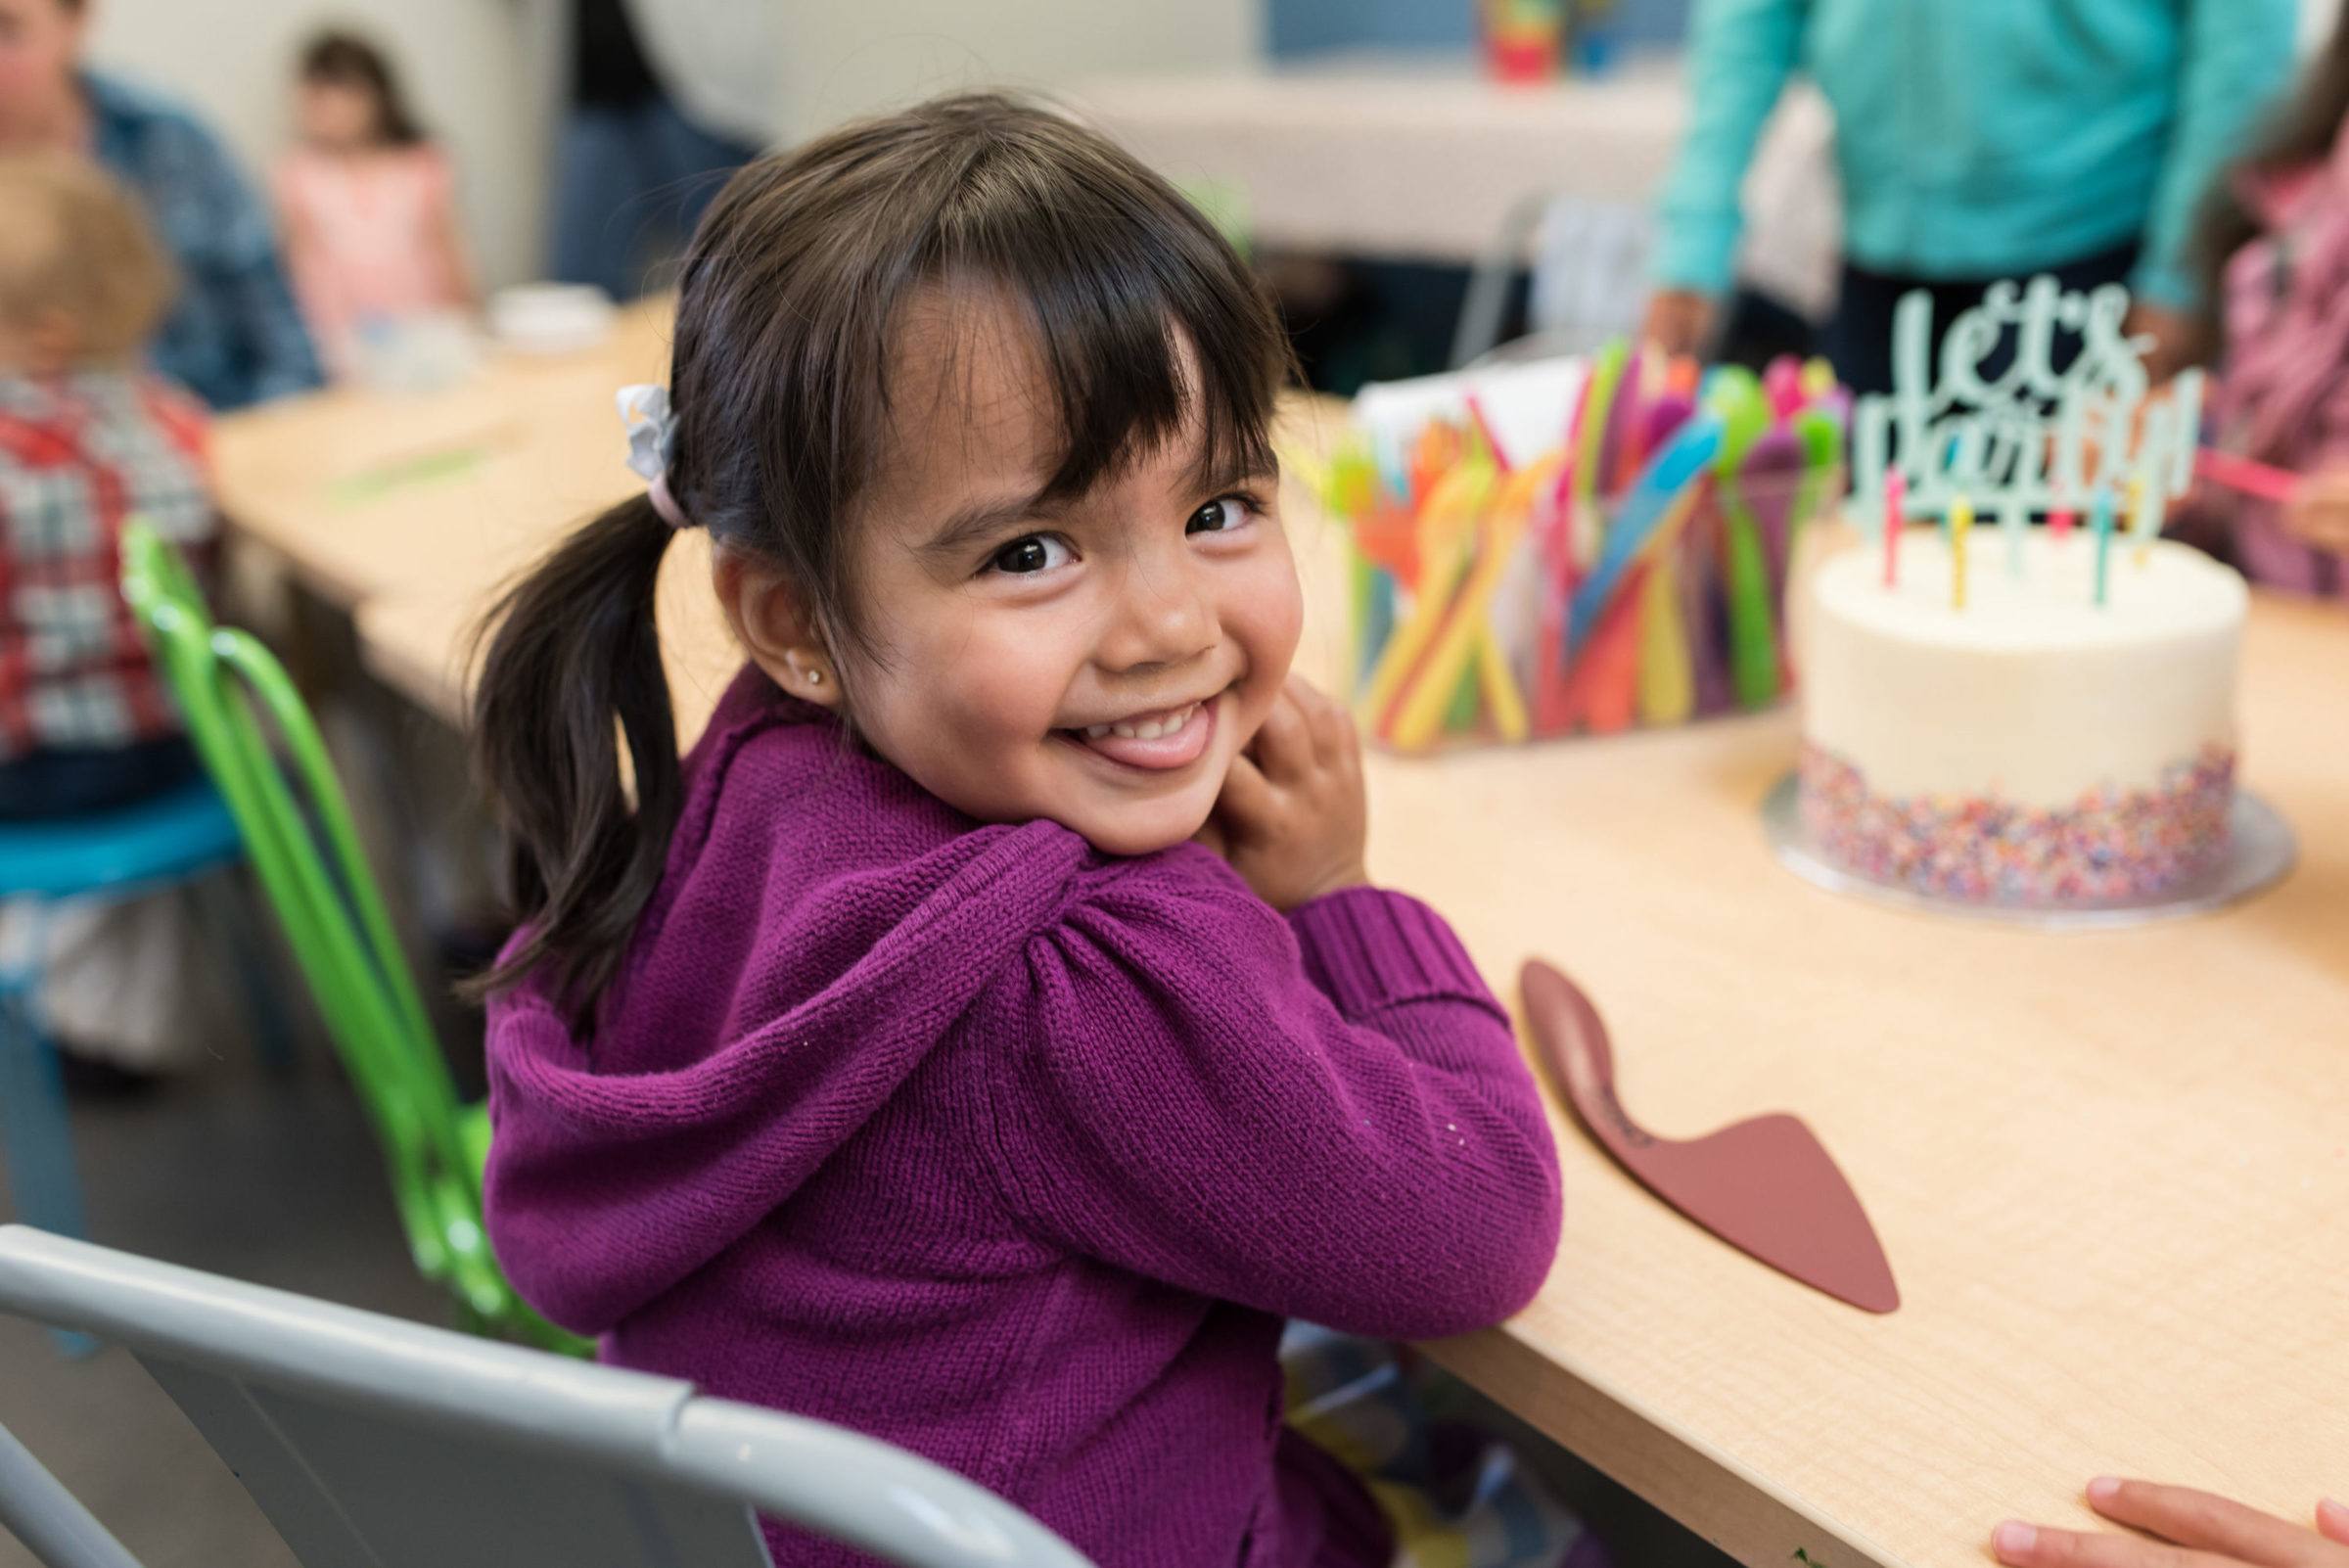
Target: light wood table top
1398	153
2111	1170
364	493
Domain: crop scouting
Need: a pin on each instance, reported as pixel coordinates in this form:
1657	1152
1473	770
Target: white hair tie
652	441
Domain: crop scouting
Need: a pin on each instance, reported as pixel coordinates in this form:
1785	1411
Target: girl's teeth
1147	729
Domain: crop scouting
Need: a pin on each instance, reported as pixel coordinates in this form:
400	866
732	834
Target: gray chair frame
371	1442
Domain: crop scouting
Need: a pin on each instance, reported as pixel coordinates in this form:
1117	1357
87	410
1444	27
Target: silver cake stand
2260	849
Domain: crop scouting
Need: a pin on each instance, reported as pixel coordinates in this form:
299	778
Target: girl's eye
1219	516
1036	552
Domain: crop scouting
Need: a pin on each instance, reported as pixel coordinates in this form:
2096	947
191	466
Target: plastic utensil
1667	678
1753	639
1765	1185
1770	483
2262	482
1691	450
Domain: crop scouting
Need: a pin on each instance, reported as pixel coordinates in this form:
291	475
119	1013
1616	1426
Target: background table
2110	1169
1414	156
363	493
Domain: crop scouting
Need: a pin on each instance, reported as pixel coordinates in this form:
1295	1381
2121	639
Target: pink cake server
1765	1185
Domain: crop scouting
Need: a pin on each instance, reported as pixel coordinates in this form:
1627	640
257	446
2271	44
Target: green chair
298	829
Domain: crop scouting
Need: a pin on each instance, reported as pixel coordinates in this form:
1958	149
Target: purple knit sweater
1012	1153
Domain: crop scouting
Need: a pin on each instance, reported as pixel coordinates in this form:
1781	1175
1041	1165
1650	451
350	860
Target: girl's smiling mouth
1158	741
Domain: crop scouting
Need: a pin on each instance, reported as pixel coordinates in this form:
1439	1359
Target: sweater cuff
2166	288
1699	254
1366	948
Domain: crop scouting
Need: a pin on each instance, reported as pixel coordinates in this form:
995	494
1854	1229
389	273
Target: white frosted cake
2034	747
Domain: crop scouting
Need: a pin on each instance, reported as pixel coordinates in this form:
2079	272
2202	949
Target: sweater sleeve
1740	53
1324	1117
2237	53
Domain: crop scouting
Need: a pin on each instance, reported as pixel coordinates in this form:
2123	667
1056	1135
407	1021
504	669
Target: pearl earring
815	677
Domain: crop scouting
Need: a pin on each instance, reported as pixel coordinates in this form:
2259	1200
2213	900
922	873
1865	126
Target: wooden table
363	494
1402	154
2111	1170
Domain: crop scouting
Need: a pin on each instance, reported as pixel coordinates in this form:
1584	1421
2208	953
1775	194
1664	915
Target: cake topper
2030	439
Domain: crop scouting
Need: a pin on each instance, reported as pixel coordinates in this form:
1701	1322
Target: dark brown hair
73	241
779	378
346	59
2300	131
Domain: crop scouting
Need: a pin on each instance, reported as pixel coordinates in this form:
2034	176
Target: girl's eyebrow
978	521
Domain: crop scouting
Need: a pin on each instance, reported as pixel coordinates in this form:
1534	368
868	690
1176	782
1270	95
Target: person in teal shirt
1978	140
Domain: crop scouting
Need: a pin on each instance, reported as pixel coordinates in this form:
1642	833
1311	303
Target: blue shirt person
1976	140
233	337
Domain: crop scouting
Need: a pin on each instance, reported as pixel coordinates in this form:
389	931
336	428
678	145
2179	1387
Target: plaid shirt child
79	457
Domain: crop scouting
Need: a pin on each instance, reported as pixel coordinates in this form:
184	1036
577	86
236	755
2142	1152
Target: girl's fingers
1284	746
2022	1546
2194	1518
2333	1521
1248	797
1330	725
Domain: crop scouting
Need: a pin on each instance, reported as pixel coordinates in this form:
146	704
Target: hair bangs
1147	328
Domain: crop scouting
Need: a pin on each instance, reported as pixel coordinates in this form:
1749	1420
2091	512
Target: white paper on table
1527	404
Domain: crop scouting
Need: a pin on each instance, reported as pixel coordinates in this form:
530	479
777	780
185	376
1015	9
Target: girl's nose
1164	616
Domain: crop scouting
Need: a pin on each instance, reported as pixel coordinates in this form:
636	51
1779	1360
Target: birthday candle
2010	524
2060	523
2100	525
2146	509
1961	523
1895	502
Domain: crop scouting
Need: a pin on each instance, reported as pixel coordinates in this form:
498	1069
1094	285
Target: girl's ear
771	621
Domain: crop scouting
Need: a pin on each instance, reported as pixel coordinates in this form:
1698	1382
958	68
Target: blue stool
173	838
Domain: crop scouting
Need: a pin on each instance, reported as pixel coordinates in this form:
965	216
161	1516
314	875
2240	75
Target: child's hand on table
2318	512
1292	818
2191	1530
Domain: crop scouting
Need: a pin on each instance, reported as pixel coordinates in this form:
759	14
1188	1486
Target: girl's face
1098	661
335	115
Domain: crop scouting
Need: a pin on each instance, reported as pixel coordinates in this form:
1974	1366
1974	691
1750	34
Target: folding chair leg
33	1117
37	1137
37	1509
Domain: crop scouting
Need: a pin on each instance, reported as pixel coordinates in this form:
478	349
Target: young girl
990	1035
367	204
2276	239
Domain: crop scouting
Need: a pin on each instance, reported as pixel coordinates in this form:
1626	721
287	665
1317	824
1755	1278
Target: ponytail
574	650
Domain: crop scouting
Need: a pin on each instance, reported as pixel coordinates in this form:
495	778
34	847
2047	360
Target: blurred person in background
665	101
1976	140
233	337
367	202
2275	247
88	439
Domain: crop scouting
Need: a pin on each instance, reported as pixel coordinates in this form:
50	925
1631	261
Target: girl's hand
2208	1532
1292	818
2318	512
1678	321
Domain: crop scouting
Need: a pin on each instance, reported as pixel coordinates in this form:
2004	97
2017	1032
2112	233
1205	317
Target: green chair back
297	828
